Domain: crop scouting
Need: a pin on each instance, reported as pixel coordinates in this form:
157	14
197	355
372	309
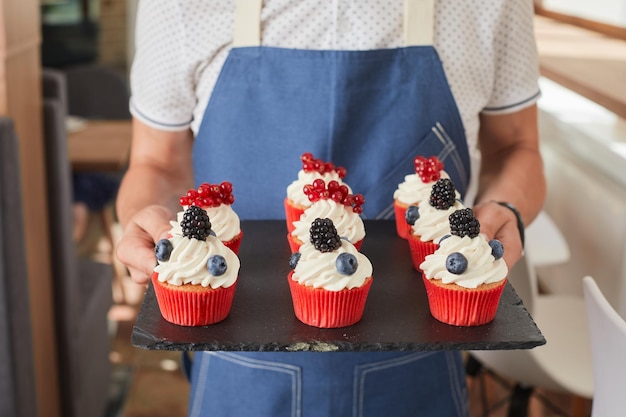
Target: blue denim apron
371	112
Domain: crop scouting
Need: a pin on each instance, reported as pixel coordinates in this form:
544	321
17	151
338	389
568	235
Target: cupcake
330	279
429	220
331	201
415	188
312	168
466	275
196	274
216	200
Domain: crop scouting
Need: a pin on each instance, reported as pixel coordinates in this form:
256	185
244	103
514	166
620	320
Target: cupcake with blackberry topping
330	279
196	274
429	220
466	275
415	188
313	168
335	202
216	200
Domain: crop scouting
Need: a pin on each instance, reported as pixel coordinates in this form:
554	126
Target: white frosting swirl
295	190
482	267
433	224
188	263
224	222
318	269
349	224
413	189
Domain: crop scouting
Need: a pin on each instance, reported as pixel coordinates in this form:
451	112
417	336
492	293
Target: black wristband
518	216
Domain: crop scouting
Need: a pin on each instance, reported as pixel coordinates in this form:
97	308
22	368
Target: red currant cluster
429	169
209	195
334	191
312	164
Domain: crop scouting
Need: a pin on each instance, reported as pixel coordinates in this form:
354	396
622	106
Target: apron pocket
231	384
411	385
453	153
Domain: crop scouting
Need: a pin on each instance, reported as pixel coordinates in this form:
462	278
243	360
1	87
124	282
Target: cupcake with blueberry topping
330	279
429	220
196	274
335	202
216	200
466	275
312	169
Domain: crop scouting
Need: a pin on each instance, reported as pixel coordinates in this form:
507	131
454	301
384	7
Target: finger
154	220
136	251
497	222
138	276
136	247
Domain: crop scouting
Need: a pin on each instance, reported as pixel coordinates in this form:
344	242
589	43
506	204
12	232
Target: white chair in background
563	364
608	346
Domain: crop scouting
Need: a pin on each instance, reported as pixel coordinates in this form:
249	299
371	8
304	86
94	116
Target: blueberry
456	263
444	238
217	265
293	259
346	264
497	250
412	214
163	250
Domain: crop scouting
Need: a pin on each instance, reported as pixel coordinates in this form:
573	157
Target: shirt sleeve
516	64
161	76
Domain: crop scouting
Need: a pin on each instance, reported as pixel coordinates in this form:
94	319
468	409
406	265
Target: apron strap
418	22
247	24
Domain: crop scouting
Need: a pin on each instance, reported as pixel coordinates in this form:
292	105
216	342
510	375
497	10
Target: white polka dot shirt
487	48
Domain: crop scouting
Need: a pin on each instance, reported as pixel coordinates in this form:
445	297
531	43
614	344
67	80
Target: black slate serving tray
396	314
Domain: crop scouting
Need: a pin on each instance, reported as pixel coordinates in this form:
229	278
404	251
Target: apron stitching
454	383
450	150
202	377
361	371
293	371
386	213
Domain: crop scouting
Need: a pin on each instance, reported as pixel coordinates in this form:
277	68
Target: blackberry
195	223
324	235
443	194
463	223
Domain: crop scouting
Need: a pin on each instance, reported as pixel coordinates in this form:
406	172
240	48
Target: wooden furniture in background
585	61
102	145
20	100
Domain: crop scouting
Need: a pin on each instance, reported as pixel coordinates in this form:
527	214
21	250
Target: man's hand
136	247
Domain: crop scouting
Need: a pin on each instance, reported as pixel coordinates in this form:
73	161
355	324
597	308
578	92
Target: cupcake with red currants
333	201
216	200
415	188
196	274
312	168
466	275
330	279
429	222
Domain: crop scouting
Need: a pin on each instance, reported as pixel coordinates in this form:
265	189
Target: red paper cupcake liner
461	306
234	243
420	250
402	227
292	214
193	308
294	244
328	309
